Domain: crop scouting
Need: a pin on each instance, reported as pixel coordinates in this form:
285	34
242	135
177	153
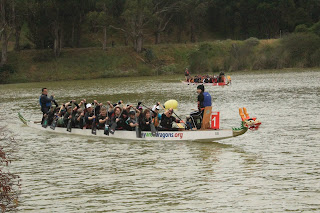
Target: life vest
186	72
155	121
47	104
207	99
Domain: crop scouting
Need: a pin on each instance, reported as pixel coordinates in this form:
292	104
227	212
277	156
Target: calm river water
275	169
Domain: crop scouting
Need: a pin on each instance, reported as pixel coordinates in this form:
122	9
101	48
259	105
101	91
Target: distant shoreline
164	59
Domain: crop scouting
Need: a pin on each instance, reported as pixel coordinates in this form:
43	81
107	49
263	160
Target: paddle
45	121
106	129
55	120
94	126
152	127
69	125
113	127
138	130
54	123
178	124
106	126
84	120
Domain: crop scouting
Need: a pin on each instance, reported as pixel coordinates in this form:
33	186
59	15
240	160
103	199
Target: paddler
187	74
146	120
89	116
51	114
167	120
116	118
132	121
156	117
70	113
103	118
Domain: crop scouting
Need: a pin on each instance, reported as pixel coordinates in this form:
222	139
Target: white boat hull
184	135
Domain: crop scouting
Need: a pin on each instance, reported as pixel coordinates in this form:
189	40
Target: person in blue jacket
203	100
45	102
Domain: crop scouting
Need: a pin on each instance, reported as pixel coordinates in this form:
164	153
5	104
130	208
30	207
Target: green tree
316	28
287	19
164	10
301	28
195	12
20	13
104	15
99	20
55	23
75	19
137	15
269	19
7	8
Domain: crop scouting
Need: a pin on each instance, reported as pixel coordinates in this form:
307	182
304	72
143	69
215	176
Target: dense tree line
56	24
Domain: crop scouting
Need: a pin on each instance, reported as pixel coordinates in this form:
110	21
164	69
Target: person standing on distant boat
187	74
45	102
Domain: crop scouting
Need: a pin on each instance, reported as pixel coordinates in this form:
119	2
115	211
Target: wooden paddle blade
180	125
153	130
69	126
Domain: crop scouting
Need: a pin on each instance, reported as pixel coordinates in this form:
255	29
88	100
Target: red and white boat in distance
226	82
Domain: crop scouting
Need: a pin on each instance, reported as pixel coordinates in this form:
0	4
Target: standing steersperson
203	100
46	102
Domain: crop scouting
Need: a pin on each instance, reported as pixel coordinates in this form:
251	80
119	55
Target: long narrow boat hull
185	135
207	84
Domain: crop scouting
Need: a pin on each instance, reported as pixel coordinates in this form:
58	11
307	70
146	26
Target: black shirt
45	103
201	100
102	125
144	125
166	122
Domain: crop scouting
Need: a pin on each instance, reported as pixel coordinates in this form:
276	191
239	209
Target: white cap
89	105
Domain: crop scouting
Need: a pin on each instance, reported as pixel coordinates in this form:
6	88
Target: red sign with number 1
215	120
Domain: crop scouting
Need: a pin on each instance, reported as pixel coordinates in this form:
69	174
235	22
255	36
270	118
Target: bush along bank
298	50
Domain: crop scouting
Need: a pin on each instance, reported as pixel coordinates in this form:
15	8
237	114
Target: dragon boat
225	82
207	84
205	134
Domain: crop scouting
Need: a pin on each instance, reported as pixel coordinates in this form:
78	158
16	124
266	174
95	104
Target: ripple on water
275	169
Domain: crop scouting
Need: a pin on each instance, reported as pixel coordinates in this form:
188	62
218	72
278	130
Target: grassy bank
164	59
90	63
